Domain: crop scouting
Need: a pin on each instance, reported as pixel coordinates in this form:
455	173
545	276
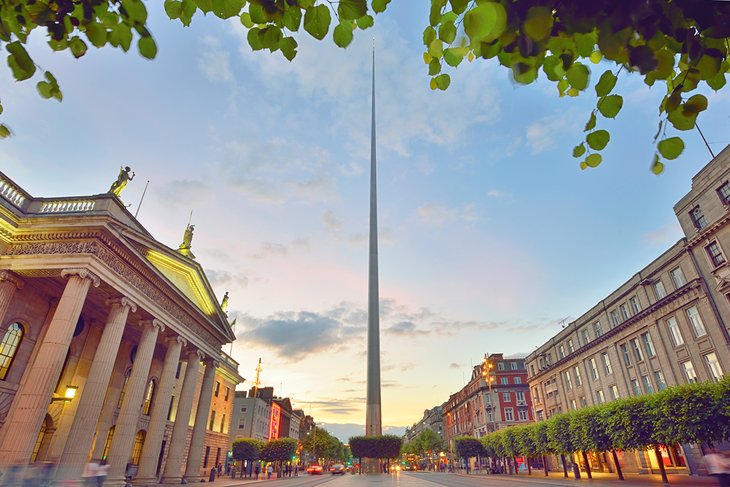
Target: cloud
270	249
663	236
543	134
454	365
496	193
182	193
223	278
214	62
331	222
439	214
405	328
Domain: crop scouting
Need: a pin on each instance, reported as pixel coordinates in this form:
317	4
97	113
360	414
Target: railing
67	206
11	193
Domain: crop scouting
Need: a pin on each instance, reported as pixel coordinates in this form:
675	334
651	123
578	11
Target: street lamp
68	395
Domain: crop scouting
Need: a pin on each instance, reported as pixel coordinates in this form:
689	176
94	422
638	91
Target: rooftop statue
121	182
224	303
186	244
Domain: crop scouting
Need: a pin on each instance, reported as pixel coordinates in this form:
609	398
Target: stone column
75	453
147	471
29	407
9	282
192	470
172	473
126	425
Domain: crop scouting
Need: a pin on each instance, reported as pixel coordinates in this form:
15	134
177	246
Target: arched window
9	347
137	449
47	425
149	396
124	387
108	443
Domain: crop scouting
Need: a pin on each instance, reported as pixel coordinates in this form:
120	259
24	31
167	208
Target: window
698	218
137	448
713	366
606	363
522	414
500	366
205	458
223	423
625	354
9	347
573	405
600	398
597	329
715	254
585	335
169	410
678	278
506	397
148	397
659	290
509	414
661	384
674	331
244	409
513	365
614	392
217	388
614	318
241	424
124	387
561	351
594	369
634	303
635	387
571	349
504	380
648	345
107	443
576	373
689	371
532	369
694	318
177	372
520	396
724	193
568	383
536	394
227	392
647	384
624	312
518	380
583	402
212	420
637	349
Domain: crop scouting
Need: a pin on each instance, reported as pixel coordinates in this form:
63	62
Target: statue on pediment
186	244
125	175
224	303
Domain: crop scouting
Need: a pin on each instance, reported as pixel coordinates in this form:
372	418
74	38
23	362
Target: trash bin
576	471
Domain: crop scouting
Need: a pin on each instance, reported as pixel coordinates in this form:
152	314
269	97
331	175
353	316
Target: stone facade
433	419
95	317
666	325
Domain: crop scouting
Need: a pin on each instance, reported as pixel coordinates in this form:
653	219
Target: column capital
200	354
122	301
153	322
11	278
211	361
178	339
83	274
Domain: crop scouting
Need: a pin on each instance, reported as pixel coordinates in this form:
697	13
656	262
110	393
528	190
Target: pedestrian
220	469
257	469
89	473
269	471
718	466
296	470
101	473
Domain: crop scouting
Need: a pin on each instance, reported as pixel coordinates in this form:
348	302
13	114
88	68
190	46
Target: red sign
274	421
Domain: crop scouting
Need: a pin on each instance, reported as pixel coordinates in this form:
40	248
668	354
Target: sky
490	234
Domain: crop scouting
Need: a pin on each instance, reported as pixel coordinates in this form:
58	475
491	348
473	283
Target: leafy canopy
680	45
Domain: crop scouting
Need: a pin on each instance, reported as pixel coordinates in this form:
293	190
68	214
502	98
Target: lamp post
487	367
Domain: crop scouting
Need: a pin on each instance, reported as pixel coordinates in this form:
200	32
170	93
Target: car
315	470
338	469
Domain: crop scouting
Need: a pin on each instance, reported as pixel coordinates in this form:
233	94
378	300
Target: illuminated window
148	397
217	388
606	364
41	436
108	443
576	373
137	448
124	387
212	420
689	371
713	366
659	290
9	348
678	277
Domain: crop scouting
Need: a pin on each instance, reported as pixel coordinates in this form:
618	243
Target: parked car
338	469
315	470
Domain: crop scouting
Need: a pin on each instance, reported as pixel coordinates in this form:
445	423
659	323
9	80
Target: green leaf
4	131
454	55
78	47
447	32
695	105
380	5
205	6
458	6
435	49
485	22
225	9
579	150
96	34
342	34
429	34
434	67
598	140
147	47
44	89
188	11
596	57
591	123
539	23
443	81
246	20
578	75
136	10
173	8
317	21
288	46
292	18
434	16
352	9
19	61
365	22
672	102
681	120
656	166
717	82
270	37
610	105
671	148
606	83
253	39
593	160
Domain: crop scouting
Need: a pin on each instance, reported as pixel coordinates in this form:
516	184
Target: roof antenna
141	199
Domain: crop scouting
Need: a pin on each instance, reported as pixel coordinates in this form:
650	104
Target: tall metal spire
373	423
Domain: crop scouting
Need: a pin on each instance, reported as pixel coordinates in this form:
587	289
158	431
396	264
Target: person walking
269	471
718	466
101	473
89	474
257	469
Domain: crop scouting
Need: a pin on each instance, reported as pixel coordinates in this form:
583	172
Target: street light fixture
68	395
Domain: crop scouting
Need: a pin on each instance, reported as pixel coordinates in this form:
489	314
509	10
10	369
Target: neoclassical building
111	343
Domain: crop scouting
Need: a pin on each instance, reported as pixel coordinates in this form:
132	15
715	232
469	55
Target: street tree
559	438
681	46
